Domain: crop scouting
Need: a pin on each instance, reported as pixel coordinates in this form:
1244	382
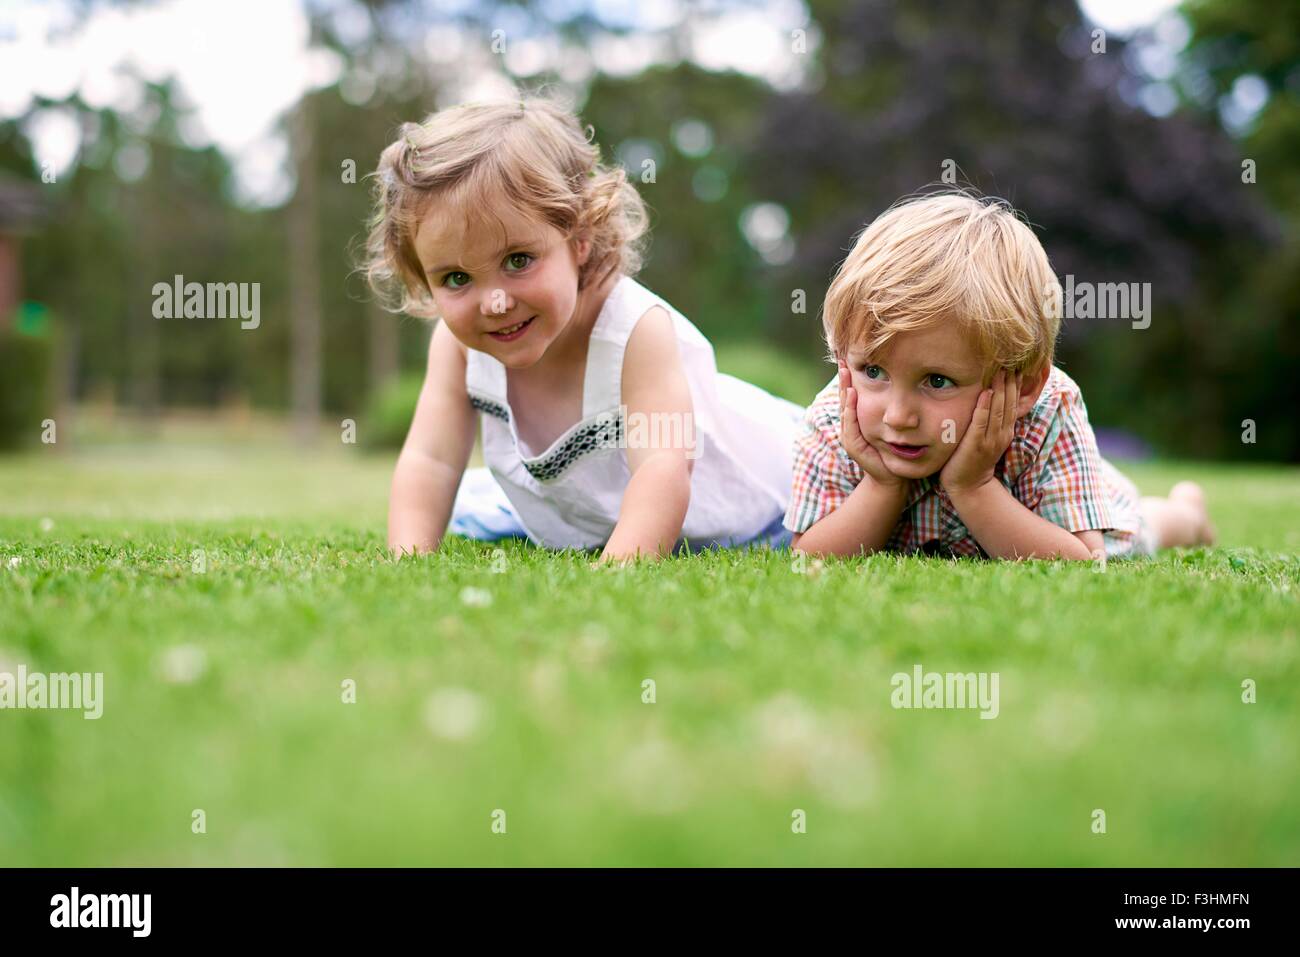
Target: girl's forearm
861	525
420	503
1005	528
654	509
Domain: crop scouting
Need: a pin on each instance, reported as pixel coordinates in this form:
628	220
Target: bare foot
1192	497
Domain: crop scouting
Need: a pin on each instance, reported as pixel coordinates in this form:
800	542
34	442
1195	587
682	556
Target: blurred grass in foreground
523	690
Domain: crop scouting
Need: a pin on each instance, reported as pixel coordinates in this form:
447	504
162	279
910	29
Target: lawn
229	594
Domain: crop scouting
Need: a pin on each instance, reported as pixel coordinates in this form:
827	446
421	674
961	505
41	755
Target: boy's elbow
817	545
1073	555
1087	546
812	544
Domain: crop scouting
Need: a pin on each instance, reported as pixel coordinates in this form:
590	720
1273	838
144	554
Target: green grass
1119	690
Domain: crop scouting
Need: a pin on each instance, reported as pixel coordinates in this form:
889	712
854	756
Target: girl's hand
987	439
859	449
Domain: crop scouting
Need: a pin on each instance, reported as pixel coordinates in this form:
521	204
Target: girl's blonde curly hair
531	153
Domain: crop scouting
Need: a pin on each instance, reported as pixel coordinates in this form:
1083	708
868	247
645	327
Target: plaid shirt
1052	467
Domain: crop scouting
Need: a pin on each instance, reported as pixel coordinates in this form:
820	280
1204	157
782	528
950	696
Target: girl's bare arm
437	447
658	400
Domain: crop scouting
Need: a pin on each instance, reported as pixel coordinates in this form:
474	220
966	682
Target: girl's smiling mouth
510	333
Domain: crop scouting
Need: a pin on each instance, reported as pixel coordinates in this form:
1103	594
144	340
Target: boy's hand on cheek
859	449
987	439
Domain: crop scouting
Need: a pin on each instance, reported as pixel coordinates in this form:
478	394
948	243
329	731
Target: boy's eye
518	260
455	280
873	372
936	381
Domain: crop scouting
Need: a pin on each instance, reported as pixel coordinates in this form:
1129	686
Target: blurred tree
1017	102
686	137
139	206
304	276
383	82
1236	46
1254	41
1021	107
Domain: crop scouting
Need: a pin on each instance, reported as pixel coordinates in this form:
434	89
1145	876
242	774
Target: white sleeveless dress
569	495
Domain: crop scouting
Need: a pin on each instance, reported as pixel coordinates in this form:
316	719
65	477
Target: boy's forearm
861	525
1005	528
420	503
653	511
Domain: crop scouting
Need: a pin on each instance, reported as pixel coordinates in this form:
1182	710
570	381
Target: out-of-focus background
195	510
1147	142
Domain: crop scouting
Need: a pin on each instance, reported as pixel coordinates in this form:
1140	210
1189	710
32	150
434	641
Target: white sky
1125	16
242	63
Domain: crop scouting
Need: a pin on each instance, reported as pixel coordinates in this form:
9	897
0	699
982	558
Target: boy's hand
987	439
860	450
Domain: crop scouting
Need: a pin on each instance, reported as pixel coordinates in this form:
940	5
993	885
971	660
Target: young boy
948	430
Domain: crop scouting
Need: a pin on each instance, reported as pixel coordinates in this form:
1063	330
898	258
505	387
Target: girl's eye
873	372
455	279
936	381
518	260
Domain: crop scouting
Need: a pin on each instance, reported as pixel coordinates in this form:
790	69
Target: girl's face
511	300
916	398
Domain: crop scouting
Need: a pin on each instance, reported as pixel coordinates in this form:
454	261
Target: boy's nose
495	302
900	412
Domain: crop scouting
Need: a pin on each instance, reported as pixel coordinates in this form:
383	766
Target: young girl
605	422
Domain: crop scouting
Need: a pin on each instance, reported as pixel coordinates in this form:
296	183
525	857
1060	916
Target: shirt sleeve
824	475
1067	485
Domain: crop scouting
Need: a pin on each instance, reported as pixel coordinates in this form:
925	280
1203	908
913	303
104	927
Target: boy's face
510	299
916	397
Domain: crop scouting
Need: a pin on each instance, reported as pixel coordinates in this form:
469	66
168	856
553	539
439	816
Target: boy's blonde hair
947	257
531	153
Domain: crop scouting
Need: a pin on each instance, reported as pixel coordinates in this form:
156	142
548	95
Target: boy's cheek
869	413
943	452
952	428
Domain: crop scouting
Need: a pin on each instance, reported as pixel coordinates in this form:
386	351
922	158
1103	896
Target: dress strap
627	302
485	381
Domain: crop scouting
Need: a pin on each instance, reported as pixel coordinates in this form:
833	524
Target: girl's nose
495	302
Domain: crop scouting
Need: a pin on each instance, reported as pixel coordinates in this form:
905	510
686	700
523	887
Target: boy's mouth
512	332
904	451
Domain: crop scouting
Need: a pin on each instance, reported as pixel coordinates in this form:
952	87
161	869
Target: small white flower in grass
800	745
842	770
803	565
786	721
475	597
15	561
654	778
454	714
546	681
183	664
1065	722
592	647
